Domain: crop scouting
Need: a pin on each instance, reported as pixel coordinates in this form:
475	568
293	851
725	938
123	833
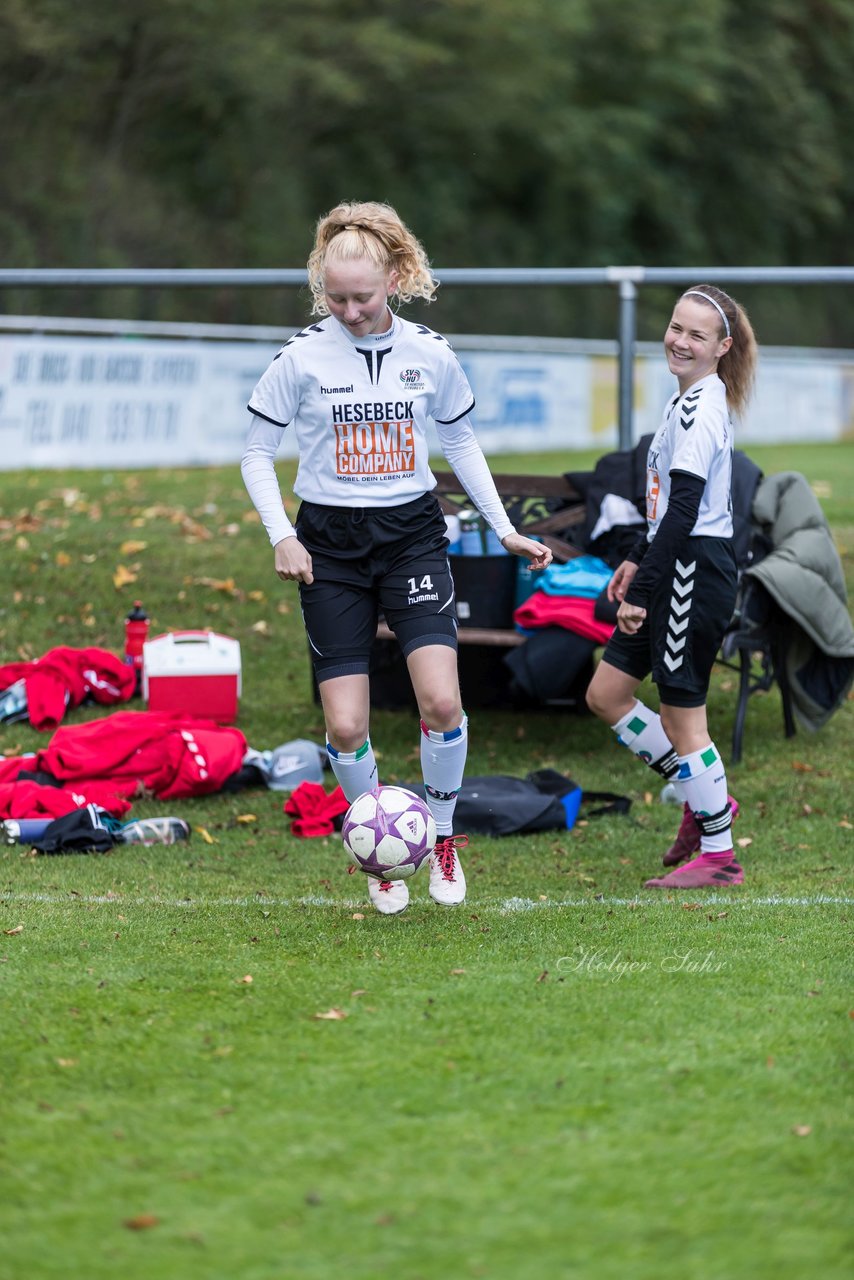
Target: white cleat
390	897
447	880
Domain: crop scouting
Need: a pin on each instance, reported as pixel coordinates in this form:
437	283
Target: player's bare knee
441	713
596	702
346	733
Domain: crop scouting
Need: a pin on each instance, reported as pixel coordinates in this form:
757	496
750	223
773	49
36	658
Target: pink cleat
708	871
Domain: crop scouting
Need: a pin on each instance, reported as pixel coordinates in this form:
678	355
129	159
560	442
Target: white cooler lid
196	653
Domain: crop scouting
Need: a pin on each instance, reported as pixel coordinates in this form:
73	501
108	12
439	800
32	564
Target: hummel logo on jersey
689	408
337	391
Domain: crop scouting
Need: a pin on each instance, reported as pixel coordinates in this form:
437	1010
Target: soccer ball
388	832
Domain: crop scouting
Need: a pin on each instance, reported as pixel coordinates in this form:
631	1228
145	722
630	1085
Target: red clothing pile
575	613
63	677
108	761
313	810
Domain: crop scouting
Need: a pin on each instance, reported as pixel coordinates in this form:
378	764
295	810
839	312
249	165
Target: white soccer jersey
695	436
360	409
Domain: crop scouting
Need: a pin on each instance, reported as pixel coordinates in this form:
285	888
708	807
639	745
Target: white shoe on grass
447	880
390	897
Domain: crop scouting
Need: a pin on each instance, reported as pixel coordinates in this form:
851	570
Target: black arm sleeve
638	549
679	519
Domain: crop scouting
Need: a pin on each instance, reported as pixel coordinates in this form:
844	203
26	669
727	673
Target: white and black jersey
686	579
695	437
360	408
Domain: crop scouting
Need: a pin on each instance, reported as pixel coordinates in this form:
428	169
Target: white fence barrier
95	402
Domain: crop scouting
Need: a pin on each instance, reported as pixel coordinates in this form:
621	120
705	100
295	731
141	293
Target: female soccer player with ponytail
676	590
360	387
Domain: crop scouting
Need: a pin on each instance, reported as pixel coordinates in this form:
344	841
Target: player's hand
630	618
518	545
621	581
293	563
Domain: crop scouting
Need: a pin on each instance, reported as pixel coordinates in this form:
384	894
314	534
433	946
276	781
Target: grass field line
505	906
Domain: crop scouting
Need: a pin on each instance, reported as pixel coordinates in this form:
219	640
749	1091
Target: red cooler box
197	672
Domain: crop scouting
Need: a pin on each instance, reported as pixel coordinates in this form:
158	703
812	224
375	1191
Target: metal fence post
628	330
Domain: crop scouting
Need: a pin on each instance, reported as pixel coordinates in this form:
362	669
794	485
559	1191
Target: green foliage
566	1077
559	133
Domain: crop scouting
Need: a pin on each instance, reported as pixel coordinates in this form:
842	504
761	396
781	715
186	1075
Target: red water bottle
136	634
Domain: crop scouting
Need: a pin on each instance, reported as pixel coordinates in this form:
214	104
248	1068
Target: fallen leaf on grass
800	767
543	976
260	627
806	810
63	559
331	1015
744	842
19	928
246	980
246	817
846	824
66	1062
123	577
360	991
141	1222
801	1130
457	972
690	906
226	585
647	797
358	915
132	547
205	834
192	530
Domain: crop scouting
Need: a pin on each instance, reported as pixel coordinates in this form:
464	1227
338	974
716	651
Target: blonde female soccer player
360	387
676	591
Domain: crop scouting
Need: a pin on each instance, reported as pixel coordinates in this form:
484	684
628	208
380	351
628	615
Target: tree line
555	133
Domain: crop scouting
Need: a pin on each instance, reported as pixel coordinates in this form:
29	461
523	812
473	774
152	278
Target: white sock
443	762
703	776
642	732
356	771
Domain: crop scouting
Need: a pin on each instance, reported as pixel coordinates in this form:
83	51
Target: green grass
567	1077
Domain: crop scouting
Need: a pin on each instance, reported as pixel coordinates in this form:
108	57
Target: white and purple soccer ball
388	832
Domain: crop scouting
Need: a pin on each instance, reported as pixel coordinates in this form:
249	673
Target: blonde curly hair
355	231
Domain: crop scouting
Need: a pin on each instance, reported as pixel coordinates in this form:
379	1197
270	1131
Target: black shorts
372	560
687	616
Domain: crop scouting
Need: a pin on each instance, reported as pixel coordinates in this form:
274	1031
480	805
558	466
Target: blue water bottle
453	533
470	538
493	544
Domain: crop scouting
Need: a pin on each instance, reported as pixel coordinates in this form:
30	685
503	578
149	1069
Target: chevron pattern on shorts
680	610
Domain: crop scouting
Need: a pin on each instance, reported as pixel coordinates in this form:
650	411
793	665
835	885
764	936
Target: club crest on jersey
411	379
